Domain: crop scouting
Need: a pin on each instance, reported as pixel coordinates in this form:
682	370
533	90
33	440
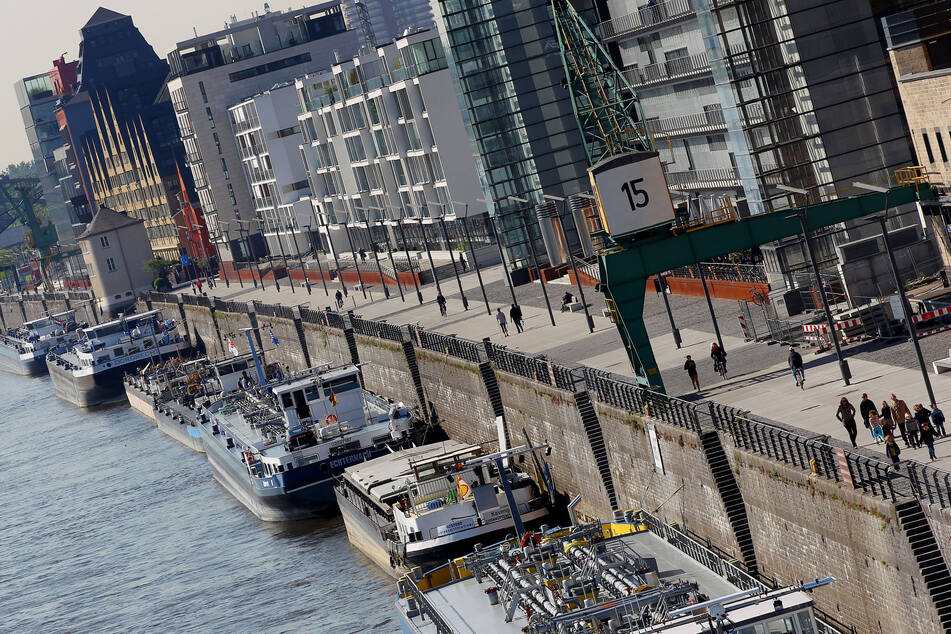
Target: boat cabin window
300	405
312	393
287	400
342	384
301	441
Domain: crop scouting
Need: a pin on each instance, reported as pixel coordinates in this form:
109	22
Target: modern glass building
506	64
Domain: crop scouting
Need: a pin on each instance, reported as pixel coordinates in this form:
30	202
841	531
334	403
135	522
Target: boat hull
178	423
99	388
13	362
365	535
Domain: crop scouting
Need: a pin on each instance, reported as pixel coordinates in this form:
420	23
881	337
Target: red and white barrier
925	333
931	314
745	328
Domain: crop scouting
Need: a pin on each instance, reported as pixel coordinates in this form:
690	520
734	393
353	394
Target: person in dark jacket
691	367
718	355
866	407
899	411
937	420
892	450
888	425
846	415
516	316
926	434
795	365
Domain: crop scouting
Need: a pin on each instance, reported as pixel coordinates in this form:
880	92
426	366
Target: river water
108	525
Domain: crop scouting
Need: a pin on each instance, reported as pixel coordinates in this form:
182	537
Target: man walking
691	367
795	364
927	438
339	297
516	315
441	301
937	420
866	407
899	413
500	317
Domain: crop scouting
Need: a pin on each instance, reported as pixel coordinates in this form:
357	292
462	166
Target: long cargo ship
23	349
625	577
425	505
278	448
90	372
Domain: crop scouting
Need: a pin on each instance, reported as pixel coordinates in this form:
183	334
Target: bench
575	306
942	365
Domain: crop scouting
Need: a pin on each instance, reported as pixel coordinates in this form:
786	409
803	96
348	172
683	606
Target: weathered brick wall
940	520
455	387
12	316
806	528
326	345
386	372
288	350
685	493
34	309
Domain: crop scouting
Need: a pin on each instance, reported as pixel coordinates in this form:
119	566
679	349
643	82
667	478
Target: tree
159	267
23	169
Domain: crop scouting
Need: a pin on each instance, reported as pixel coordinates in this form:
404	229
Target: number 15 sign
632	193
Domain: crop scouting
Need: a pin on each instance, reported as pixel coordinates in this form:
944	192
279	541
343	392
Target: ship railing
425	607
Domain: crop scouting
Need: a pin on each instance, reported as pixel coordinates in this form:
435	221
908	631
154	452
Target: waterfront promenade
758	380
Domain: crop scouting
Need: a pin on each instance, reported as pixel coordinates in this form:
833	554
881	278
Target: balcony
192	157
673	69
645	19
260	174
245	125
710	121
720	178
252	151
262	203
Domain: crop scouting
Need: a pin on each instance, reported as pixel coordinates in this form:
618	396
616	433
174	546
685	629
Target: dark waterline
108	525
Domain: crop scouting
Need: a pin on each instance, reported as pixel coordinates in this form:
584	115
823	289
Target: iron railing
752	273
378	329
447	344
536	368
272	310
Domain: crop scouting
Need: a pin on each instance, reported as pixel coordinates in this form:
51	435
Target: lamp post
379	268
247	245
445	235
343	286
409	261
320	269
225	226
498	242
346	227
905	305
531	250
802	217
270	258
280	244
713	315
300	260
389	250
571	258
429	253
475	260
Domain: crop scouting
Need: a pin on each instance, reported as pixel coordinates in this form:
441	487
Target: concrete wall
802	527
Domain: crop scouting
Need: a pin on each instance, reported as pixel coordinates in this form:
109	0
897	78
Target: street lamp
905	305
280	244
300	258
225	226
452	257
429	254
498	242
323	280
409	261
389	250
531	250
247	244
802	216
571	258
465	227
346	227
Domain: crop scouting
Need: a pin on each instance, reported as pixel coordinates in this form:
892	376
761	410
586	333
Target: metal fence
929	483
750	273
273	310
536	368
625	394
447	344
379	329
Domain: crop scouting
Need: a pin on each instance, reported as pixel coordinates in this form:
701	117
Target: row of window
930	151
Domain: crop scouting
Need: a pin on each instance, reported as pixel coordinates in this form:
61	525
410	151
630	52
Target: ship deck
465	606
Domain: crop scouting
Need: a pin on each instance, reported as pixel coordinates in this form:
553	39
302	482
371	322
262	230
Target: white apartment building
268	137
212	72
384	140
388	19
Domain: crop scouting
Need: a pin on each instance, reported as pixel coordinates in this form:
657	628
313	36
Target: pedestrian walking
892	450
363	255
198	284
516	315
911	430
500	317
920	416
875	425
888	425
718	355
339	297
866	407
899	412
441	301
194	288
927	438
795	365
937	420
691	367
846	415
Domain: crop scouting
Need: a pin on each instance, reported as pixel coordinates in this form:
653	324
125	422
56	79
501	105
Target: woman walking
888	425
892	450
927	438
846	415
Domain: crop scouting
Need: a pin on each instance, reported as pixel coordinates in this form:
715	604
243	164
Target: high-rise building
744	96
37	100
122	137
386	19
509	77
381	146
212	72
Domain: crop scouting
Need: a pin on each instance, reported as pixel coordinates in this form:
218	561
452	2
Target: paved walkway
759	382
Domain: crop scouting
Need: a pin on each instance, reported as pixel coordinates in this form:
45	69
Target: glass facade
507	66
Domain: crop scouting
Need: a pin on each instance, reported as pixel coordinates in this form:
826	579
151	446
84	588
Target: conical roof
103	15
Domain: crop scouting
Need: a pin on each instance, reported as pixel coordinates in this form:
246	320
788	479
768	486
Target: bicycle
720	368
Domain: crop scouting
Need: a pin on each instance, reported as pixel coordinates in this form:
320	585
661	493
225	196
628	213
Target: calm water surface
108	525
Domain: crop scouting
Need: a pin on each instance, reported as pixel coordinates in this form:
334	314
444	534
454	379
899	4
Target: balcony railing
193	157
245	125
645	18
704	179
700	122
263	202
260	174
681	67
249	152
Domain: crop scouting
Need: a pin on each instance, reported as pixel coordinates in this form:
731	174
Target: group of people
197	285
919	426
718	355
515	314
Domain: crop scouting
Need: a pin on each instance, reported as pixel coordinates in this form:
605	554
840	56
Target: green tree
159	267
23	169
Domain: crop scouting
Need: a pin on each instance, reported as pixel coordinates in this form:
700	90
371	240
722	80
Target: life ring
193	388
530	536
332	418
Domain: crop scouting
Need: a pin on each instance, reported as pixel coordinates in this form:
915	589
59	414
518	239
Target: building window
111	265
214	135
234	201
224	168
944	155
211	117
104	241
924	136
716	142
204	95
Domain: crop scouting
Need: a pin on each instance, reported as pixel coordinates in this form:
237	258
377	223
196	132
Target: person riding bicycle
718	355
795	364
441	301
566	299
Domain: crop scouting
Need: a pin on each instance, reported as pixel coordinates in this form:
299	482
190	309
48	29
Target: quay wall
631	449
